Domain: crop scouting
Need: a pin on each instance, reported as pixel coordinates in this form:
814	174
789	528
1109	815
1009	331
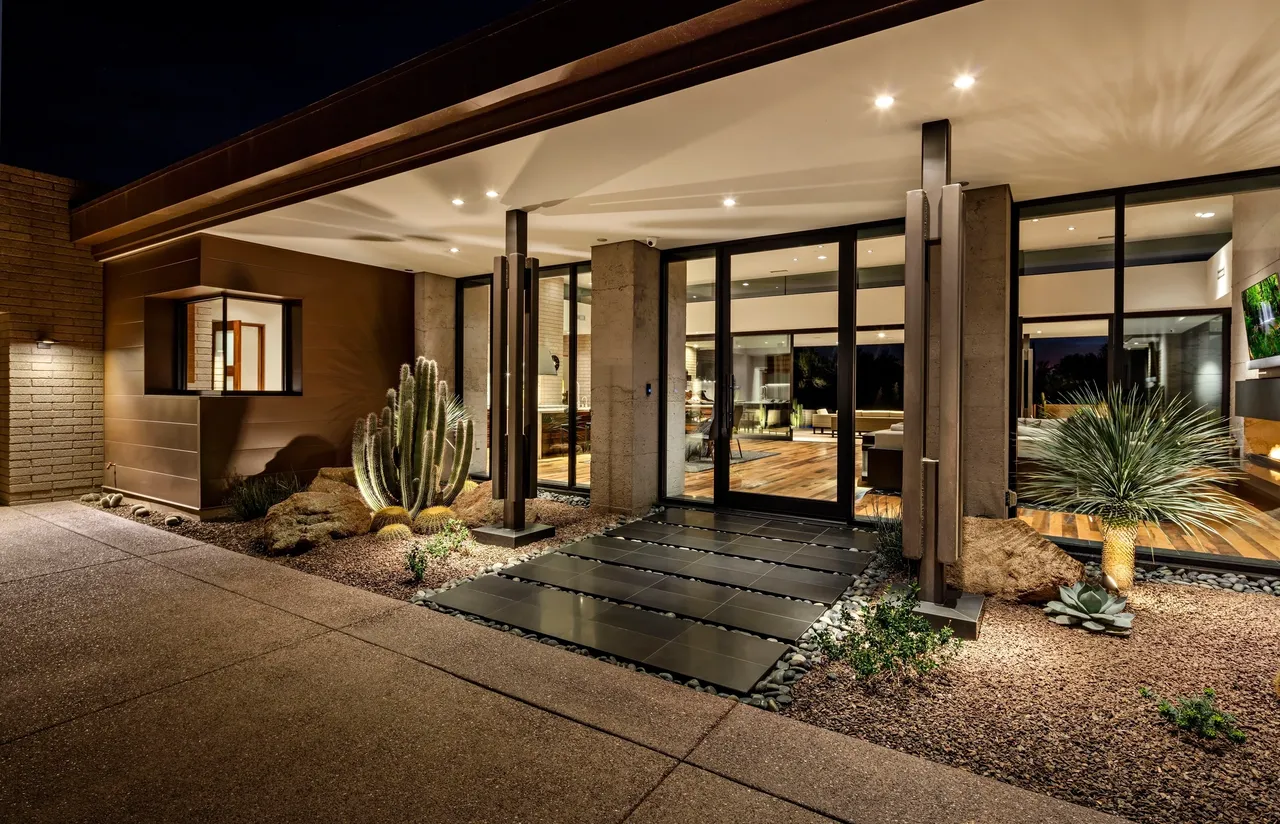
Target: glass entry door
783	429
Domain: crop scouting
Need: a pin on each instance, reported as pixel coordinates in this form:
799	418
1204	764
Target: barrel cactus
389	515
399	456
1091	607
432	519
394	532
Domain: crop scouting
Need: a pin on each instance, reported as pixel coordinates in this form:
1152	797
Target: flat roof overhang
551	65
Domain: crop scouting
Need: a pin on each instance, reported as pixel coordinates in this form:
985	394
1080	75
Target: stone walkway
146	678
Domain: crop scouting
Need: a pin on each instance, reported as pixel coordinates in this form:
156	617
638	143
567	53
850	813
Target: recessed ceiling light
964	81
881	335
793	260
453	249
1037	331
457	201
1035	220
744	283
491	194
1204	214
822	257
1180	320
1071	228
729	202
884	101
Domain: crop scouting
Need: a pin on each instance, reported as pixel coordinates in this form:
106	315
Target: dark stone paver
332	729
727	659
765	615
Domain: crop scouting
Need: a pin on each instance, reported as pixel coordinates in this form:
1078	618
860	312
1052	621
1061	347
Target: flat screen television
1262	322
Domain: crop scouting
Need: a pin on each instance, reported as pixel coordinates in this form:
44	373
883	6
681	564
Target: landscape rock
172	520
308	519
91	497
477	507
1008	559
336	479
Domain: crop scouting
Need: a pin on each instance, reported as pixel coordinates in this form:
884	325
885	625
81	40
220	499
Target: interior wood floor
808	470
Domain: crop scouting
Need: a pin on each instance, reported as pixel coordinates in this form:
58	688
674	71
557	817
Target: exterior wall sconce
43	341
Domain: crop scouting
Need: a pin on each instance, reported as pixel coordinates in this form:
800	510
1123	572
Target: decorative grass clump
394	532
250	498
389	515
432	520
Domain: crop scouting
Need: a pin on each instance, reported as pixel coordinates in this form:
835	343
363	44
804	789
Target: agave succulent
1091	607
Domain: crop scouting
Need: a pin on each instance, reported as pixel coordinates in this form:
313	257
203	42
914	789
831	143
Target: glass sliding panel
1067	260
205	346
582	380
777	445
879	378
689	399
551	446
475	388
1180	355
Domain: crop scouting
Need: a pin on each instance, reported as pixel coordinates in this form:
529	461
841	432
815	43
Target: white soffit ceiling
1070	97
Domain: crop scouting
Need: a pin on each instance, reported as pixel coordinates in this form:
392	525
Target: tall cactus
399	456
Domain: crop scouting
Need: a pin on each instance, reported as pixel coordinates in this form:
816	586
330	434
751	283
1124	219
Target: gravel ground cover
379	566
1057	710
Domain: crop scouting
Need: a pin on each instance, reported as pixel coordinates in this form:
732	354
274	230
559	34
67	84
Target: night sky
108	92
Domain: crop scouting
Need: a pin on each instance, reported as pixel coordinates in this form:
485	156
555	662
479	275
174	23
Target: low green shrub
452	537
415	560
1198	714
250	498
890	641
889	543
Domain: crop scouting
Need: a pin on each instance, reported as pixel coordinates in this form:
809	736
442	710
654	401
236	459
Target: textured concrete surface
309	596
646	710
105	528
30	546
198	684
855	781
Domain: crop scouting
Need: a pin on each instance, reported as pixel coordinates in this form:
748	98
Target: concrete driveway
147	678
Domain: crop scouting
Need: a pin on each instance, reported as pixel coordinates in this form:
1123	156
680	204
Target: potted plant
1130	458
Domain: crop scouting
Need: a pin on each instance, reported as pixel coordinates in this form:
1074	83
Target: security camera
651	241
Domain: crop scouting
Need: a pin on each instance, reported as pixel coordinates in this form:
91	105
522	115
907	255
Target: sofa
864	420
882	459
824	421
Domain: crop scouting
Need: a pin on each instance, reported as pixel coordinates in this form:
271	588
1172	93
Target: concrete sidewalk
147	678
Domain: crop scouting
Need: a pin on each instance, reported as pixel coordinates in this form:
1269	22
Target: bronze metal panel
160	408
179	462
513	513
162	434
915	368
935	169
156	486
951	377
407	117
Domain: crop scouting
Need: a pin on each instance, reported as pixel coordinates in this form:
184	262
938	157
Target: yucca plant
1125	459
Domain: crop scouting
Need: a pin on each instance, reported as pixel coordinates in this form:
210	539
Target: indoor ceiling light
881	335
1180	320
1071	228
730	202
453	249
794	260
491	194
964	81
744	283
1035	220
822	257
1204	214
884	101
457	201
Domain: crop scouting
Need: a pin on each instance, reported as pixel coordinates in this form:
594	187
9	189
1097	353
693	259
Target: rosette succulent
1091	607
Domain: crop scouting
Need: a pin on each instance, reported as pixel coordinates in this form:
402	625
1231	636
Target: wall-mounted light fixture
43	341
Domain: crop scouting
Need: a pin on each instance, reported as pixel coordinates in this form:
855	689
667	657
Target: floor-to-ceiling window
1155	318
562	429
688	404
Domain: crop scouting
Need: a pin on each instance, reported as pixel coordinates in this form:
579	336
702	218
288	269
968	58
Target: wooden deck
803	469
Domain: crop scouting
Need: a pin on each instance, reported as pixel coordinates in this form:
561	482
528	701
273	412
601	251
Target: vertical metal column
532	292
517	244
498	378
951	375
915	378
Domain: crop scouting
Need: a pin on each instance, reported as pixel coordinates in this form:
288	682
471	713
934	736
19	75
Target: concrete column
988	273
434	321
624	417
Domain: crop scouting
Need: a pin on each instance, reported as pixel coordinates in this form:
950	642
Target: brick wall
51	437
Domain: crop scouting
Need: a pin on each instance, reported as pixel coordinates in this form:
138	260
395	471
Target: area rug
706	465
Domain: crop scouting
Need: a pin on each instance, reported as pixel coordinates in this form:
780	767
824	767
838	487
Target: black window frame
290	346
